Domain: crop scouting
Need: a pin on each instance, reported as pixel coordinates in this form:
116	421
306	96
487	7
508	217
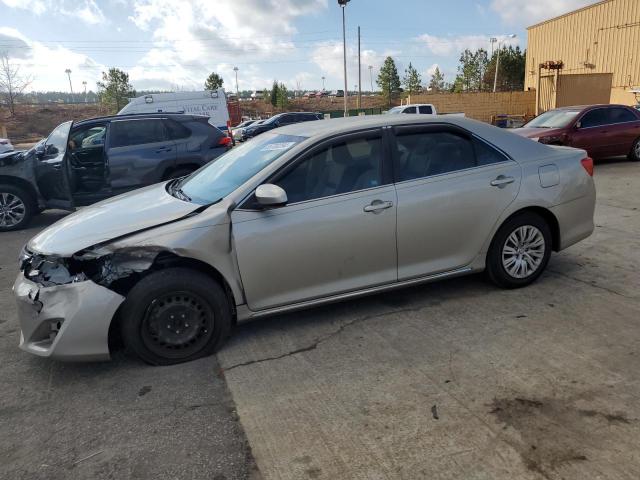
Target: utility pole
359	73
84	84
343	4
323	84
371	77
235	69
68	72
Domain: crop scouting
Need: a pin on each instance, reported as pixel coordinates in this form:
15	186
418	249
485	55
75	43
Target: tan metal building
590	55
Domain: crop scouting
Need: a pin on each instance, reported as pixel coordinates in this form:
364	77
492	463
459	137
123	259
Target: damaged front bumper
66	322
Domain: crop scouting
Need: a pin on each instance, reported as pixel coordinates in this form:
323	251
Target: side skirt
244	313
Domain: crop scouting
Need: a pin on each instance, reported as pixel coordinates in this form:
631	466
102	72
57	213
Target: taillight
587	163
225	141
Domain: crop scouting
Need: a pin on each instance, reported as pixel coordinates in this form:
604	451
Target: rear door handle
163	149
502	181
377	206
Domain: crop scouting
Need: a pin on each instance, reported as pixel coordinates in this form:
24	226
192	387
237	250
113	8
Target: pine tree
412	80
273	96
388	79
115	88
283	96
437	84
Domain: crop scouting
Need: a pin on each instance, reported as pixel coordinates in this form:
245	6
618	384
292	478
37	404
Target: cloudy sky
171	44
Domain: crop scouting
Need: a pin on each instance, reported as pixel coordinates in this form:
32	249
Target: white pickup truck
420	108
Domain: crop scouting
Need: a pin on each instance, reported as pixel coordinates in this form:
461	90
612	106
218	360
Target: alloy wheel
523	251
637	149
12	209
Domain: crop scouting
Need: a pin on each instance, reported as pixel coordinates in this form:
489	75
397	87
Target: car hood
532	132
110	219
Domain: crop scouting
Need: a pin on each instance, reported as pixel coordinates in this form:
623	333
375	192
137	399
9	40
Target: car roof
514	145
579	108
139	116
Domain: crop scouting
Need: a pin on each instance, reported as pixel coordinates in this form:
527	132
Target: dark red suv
601	130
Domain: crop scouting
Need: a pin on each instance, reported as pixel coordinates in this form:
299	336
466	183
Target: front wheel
175	315
520	251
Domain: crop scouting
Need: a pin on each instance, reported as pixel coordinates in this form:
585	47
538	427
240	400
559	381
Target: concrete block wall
482	106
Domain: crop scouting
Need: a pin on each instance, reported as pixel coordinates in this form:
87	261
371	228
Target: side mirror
578	125
40	151
269	195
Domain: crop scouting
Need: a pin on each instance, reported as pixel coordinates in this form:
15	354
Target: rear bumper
65	322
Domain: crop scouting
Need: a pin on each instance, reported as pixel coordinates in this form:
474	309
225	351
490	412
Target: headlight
24	256
535	139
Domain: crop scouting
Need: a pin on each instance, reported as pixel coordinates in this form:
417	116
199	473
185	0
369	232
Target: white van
211	103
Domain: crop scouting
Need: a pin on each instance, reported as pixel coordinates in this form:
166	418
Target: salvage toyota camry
300	216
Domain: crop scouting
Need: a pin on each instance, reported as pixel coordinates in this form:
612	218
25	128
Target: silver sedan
300	216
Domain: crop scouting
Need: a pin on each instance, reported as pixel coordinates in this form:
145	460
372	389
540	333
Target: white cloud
526	13
328	56
452	45
35	60
87	11
201	33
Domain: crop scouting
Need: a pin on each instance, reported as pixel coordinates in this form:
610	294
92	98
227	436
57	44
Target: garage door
583	89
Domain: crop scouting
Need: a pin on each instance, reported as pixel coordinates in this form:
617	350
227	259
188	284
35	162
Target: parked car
423	108
301	216
309	95
337	93
238	131
280	120
602	130
5	145
322	93
80	163
212	103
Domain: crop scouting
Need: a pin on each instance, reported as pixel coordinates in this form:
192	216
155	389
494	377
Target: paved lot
460	380
455	380
115	420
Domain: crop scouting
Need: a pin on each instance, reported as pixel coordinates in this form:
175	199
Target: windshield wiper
176	191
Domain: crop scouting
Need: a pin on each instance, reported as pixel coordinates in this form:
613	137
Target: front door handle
502	181
377	206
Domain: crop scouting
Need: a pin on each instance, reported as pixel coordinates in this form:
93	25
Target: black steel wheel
175	315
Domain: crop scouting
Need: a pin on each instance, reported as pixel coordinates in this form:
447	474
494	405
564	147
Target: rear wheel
519	251
634	154
16	208
175	315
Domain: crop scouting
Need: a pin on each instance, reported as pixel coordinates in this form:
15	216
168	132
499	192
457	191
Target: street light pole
68	72
343	4
495	77
235	69
84	83
371	77
323	84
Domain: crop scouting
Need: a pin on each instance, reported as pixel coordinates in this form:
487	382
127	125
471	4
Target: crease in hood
110	219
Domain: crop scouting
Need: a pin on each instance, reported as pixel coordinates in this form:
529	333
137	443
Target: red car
601	130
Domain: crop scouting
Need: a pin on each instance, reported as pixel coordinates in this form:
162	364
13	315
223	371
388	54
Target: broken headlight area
48	270
117	270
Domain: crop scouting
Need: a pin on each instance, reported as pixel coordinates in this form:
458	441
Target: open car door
52	169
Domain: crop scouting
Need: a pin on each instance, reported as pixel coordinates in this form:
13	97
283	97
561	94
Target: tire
17	207
179	173
634	154
528	236
175	315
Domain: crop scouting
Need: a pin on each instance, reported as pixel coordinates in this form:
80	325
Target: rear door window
126	133
426	109
620	115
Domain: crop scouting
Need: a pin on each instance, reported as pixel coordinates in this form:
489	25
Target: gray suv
81	163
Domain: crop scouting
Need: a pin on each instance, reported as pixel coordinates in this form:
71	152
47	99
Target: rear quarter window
176	130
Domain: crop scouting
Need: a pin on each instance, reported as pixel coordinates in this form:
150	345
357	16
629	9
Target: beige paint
601	38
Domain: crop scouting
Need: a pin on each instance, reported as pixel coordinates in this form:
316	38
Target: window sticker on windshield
277	146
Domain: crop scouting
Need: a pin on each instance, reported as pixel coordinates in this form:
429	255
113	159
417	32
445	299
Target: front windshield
395	110
229	171
553	119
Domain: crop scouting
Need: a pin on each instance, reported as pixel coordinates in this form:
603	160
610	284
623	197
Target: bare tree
12	83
